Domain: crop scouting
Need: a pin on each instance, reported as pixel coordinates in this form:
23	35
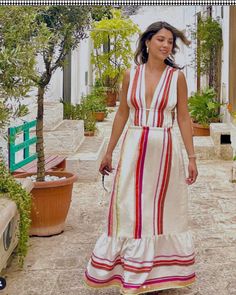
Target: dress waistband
149	127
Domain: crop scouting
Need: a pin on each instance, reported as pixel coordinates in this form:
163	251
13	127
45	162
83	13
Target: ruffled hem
142	265
141	290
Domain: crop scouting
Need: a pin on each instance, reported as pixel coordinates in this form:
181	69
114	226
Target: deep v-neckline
154	96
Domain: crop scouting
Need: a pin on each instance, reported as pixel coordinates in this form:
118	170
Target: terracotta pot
200	130
50	203
89	133
99	116
111	98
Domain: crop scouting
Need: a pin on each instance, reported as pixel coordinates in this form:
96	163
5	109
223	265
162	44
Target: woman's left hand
192	172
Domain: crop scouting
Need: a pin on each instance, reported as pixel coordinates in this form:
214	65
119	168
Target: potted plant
59	30
113	35
89	125
83	112
203	109
96	103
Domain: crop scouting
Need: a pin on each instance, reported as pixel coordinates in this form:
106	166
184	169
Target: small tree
67	26
208	51
17	60
113	36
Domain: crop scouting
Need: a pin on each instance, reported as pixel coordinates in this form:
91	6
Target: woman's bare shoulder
130	72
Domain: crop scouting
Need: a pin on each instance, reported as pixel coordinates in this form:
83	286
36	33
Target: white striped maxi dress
148	245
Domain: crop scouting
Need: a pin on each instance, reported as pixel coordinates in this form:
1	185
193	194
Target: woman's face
161	44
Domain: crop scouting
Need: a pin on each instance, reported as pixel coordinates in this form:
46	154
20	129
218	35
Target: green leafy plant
4	115
203	107
14	191
80	112
69	111
96	100
208	50
113	35
83	113
19	43
90	122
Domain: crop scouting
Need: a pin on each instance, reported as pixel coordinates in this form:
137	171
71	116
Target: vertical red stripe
165	182
140	97
157	99
158	181
139	183
133	96
164	100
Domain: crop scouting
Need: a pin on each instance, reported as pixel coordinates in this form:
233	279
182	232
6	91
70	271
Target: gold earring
147	49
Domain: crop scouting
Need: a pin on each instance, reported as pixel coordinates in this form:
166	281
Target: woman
148	246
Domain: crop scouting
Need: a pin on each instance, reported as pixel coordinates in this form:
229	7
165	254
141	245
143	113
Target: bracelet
192	156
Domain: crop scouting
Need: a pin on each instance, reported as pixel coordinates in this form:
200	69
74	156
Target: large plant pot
50	203
200	130
99	116
111	98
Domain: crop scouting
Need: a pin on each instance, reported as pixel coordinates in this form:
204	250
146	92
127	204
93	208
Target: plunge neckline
154	96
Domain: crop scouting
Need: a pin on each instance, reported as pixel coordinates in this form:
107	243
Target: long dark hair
141	54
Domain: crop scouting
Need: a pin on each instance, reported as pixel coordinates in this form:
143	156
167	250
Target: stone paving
55	265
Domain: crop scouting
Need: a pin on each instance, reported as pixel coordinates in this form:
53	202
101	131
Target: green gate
13	148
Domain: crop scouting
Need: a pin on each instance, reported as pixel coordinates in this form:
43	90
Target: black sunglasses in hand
103	183
105	170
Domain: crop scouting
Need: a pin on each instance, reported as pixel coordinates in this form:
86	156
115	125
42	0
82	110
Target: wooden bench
52	163
29	162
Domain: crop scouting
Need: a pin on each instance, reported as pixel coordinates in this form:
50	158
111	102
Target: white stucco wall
75	75
80	65
55	87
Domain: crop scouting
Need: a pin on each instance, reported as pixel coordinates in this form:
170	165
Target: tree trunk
39	134
211	69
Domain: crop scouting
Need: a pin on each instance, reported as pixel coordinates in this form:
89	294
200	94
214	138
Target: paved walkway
54	266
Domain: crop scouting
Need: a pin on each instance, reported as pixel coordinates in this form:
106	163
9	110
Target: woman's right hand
106	165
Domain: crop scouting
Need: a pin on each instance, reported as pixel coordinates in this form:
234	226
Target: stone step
85	163
204	148
53	114
221	136
214	146
65	139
